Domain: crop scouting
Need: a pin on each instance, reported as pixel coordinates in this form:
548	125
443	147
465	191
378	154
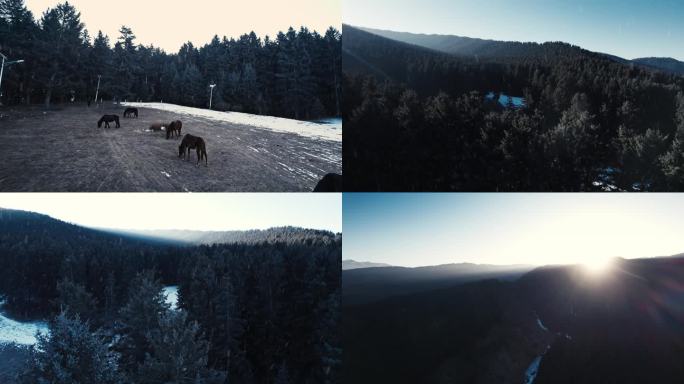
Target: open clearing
63	150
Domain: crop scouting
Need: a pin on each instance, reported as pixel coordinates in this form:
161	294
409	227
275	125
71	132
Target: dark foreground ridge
620	326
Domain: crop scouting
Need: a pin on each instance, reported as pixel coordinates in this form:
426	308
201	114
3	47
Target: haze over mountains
353	264
468	46
622	325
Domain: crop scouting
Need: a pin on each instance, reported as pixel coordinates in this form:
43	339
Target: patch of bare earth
63	150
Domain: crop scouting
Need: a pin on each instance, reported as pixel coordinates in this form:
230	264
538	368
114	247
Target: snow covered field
327	129
12	331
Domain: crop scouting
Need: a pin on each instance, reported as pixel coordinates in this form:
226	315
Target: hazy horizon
170	24
190	212
630	29
413	230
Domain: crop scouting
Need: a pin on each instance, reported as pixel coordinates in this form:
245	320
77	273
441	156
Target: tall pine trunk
48	93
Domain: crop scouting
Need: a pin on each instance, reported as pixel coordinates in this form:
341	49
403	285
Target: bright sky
540	229
170	23
626	28
205	211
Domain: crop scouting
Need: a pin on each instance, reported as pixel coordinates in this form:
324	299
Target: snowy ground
171	294
24	333
505	100
326	129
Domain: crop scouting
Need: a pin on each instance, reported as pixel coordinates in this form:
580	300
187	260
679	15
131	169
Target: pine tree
71	354
178	352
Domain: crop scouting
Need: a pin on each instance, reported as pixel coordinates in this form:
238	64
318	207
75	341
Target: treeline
264	312
295	75
418	120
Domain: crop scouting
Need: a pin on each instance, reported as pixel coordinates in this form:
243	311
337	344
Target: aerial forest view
555	288
82	305
267	107
440	112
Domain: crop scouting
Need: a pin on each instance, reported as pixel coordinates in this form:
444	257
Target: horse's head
181	149
99	123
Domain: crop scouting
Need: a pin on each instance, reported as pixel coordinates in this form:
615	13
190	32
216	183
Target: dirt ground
63	150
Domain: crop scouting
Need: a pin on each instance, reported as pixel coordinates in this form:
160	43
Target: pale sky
626	28
170	23
539	229
204	212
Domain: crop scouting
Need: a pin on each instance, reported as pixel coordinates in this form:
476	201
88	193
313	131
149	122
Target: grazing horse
108	119
193	142
131	112
174	127
157	127
331	182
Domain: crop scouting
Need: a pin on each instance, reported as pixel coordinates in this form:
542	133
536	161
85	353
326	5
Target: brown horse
174	128
157	127
108	119
193	142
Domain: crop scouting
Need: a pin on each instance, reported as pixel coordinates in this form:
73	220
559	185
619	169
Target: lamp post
6	63
211	94
98	88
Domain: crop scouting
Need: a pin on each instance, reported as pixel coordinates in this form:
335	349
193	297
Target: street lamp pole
98	88
211	94
2	68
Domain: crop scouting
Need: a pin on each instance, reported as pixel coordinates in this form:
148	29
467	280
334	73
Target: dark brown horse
130	112
193	142
108	119
157	127
174	128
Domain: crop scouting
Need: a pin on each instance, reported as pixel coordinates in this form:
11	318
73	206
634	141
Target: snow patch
166	174
171	295
541	325
325	131
24	333
532	370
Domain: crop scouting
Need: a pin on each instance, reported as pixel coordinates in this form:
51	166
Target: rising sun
598	265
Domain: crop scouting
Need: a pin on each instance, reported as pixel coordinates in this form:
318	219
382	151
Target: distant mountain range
276	234
17	220
353	264
481	48
366	285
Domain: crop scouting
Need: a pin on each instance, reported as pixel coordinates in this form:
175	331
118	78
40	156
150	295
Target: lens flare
598	265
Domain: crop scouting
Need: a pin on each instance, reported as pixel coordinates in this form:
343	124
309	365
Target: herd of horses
331	182
173	129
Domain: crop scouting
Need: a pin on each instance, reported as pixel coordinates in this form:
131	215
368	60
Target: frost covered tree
71	353
178	352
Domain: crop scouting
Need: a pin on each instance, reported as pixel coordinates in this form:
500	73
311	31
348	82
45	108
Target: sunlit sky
626	28
170	23
206	211
539	229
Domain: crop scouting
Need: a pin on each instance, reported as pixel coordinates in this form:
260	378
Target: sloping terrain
553	325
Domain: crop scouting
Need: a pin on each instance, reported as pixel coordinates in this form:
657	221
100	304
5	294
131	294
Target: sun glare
598	265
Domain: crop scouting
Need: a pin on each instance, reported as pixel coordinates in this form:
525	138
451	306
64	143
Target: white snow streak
331	131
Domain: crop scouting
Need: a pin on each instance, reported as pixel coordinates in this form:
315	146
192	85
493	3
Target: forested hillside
418	119
619	326
296	74
249	312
